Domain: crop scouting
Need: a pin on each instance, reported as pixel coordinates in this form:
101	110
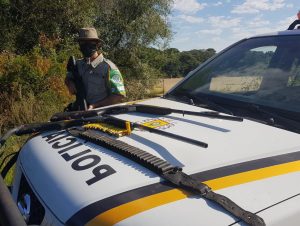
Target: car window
294	79
264	70
245	74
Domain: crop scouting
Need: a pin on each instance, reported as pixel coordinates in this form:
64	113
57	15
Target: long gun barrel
80	103
148	109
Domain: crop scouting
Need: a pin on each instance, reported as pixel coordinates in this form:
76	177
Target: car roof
279	33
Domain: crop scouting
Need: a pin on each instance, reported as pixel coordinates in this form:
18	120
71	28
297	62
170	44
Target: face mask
88	49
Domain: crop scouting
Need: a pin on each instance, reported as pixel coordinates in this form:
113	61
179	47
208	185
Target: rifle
80	103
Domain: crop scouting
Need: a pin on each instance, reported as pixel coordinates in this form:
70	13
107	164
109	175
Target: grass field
164	85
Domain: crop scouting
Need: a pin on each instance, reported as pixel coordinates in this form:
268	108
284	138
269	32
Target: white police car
232	125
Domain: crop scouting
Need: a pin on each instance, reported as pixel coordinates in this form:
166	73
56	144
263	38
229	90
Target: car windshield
263	72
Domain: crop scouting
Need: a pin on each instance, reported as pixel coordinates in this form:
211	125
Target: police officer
100	79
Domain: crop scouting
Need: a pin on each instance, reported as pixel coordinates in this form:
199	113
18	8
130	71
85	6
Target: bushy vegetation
172	63
32	86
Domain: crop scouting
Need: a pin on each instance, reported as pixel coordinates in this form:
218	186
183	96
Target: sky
203	24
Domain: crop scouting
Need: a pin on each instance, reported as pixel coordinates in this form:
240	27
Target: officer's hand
91	107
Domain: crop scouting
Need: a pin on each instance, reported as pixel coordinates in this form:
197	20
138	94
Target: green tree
132	23
189	60
172	65
122	24
128	27
125	27
23	21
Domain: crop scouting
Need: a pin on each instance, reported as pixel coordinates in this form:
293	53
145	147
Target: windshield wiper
182	97
217	107
139	108
156	110
275	119
204	102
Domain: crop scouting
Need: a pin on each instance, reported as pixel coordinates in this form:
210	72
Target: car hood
254	164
